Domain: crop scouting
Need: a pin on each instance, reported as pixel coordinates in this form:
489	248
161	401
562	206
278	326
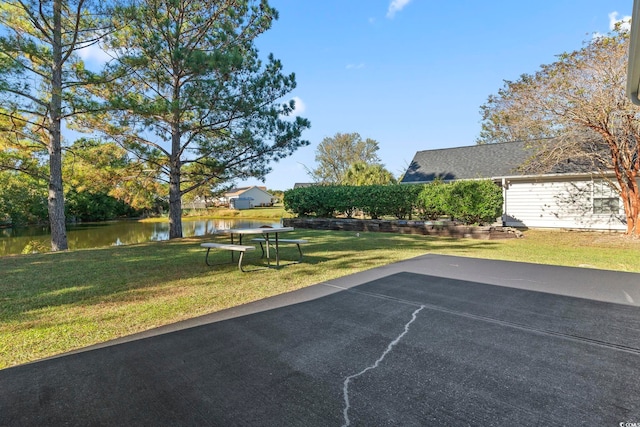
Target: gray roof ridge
490	144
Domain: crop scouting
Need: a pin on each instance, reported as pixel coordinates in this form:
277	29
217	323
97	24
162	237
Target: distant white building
258	196
197	203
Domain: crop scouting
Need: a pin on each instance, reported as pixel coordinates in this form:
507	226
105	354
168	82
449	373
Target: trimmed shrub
432	200
475	202
322	201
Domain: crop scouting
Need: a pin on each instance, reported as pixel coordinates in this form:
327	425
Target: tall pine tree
193	91
41	78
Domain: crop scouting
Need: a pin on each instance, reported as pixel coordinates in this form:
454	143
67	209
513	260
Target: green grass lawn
55	302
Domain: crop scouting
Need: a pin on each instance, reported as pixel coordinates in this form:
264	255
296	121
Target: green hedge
475	202
467	201
433	201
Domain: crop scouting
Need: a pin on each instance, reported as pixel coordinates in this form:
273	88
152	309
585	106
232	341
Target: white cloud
355	66
625	21
299	109
396	6
300	106
94	53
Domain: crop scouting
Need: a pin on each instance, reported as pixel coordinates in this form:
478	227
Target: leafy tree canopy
335	155
98	167
361	173
17	152
23	199
579	101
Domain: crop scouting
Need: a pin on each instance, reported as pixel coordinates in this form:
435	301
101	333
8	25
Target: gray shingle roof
476	161
303	184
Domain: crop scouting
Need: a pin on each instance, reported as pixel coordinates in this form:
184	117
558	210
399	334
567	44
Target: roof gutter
575	175
633	65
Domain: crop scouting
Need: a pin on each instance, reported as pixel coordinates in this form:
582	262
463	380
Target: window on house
605	199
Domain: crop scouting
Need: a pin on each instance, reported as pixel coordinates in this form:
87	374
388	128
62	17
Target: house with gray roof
248	197
572	195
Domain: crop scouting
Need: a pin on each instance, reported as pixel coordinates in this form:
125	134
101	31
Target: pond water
113	233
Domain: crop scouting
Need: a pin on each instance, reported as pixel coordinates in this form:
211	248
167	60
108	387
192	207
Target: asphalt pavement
431	341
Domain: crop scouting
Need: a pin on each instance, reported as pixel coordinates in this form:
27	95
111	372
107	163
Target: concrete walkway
435	340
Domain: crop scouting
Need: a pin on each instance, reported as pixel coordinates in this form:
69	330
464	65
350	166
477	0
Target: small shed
240	203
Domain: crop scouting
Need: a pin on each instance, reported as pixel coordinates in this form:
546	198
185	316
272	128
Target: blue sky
412	74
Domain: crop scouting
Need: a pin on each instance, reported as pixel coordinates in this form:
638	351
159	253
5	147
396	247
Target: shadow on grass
140	272
346	242
99	276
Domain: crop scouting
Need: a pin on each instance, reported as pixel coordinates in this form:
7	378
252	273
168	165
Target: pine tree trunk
56	194
175	205
175	165
57	220
175	196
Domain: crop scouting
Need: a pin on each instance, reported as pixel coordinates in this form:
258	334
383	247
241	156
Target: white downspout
504	202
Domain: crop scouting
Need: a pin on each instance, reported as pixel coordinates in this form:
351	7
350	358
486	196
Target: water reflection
96	235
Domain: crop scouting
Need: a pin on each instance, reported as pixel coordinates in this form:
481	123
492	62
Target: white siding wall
557	204
259	197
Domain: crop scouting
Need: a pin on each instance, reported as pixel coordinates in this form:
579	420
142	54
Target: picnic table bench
228	247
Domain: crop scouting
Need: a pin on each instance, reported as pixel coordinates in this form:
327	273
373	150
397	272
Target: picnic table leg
206	259
266	238
240	261
232	259
299	250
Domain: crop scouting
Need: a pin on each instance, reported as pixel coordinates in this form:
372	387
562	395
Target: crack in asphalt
345	388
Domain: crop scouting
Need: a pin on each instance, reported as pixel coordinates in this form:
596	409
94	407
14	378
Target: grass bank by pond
55	302
267	213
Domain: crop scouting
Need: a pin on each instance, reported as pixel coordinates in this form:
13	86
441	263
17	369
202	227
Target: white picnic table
267	232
